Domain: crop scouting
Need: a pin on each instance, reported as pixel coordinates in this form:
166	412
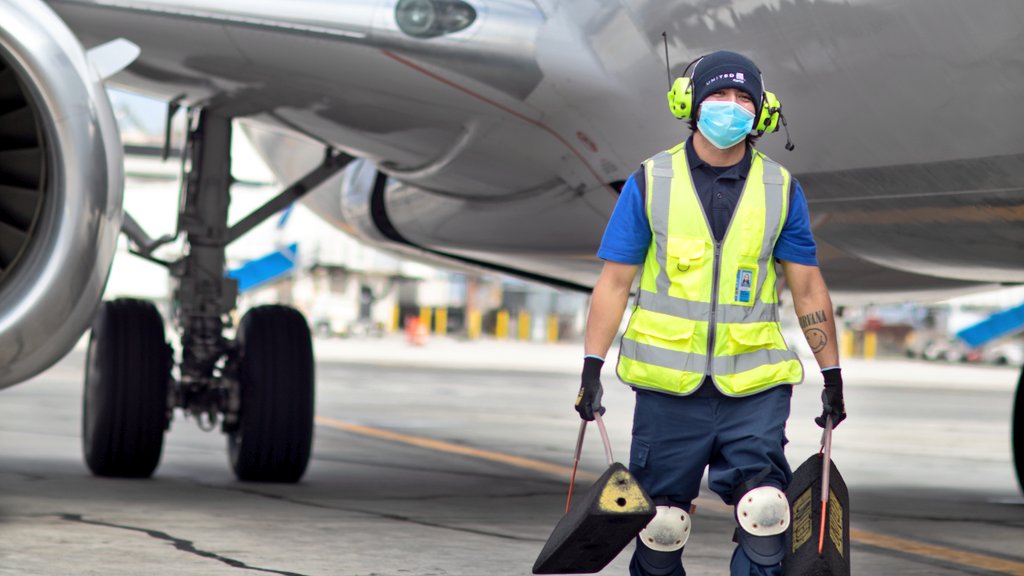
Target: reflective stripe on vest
706	307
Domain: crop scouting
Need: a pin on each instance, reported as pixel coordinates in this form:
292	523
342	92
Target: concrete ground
452	459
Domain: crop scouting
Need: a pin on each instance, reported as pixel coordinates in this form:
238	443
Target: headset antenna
668	69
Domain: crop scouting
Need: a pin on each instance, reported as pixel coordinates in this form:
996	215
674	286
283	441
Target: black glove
832	398
589	398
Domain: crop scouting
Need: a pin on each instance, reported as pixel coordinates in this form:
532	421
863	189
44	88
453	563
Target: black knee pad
658	563
762	550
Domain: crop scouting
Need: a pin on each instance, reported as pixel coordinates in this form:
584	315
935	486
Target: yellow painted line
442	446
960	557
869	538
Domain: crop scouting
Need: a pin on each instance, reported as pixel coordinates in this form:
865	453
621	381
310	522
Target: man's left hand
832	398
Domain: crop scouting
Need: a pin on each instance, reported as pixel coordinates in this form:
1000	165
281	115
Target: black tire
124	407
274	437
1017	431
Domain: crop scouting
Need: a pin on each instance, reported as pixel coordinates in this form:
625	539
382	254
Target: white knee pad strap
763	511
668	530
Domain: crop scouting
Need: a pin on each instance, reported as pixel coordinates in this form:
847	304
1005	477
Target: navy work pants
676	437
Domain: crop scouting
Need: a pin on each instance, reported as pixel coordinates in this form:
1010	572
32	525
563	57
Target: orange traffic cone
415	331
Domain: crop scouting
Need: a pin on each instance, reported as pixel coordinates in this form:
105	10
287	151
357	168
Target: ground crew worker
703	350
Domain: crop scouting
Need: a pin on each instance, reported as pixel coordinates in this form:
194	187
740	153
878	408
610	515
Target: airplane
489	133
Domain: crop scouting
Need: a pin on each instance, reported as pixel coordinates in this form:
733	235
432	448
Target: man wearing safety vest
705	223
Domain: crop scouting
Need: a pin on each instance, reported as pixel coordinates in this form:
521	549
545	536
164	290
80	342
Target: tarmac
452	458
566	357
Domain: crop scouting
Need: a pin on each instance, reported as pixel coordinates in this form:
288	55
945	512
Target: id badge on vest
744	286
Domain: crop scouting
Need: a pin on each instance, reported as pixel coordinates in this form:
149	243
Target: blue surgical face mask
724	124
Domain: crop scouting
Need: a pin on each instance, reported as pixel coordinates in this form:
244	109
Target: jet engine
61	183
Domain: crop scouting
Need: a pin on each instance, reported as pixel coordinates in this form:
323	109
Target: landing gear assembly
259	387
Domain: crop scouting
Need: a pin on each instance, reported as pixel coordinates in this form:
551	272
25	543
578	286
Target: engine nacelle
61	184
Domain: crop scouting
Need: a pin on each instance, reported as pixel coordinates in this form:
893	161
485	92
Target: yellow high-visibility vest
706	307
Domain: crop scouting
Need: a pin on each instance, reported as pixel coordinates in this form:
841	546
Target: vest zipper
713	321
709	367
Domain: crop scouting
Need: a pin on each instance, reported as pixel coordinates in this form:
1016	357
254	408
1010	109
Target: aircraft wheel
275	372
1018	431
126	381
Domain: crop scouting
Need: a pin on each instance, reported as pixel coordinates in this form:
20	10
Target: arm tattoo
816	339
813	318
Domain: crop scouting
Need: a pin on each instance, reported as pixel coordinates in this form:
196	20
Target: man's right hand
588	401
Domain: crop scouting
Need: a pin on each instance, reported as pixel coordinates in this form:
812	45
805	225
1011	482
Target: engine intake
22	169
61	182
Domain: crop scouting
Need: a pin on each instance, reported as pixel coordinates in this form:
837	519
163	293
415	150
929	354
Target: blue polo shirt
628	234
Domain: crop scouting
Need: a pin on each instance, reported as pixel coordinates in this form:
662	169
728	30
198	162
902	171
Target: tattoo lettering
816	339
813	318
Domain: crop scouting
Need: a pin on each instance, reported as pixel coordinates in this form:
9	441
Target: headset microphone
789	143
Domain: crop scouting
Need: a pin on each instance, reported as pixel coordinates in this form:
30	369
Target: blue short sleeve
796	243
628	234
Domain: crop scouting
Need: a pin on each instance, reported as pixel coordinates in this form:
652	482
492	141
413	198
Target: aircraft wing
504	142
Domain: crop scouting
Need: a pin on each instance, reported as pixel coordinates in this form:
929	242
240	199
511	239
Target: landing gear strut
258	387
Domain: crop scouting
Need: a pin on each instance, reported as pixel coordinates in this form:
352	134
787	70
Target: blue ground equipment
995	326
262	270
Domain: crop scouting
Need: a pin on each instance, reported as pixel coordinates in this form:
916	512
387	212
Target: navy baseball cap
724	69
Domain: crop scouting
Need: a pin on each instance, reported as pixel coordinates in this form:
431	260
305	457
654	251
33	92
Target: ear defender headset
680	102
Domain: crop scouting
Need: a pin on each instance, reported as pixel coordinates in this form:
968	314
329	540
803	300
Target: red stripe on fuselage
499	106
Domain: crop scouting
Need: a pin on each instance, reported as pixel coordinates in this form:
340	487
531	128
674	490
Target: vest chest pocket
750	236
685	258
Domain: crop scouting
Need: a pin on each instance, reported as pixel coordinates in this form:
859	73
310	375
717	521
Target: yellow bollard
870	345
846	344
553	328
473	326
501	325
396	315
425	315
441	320
523	323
